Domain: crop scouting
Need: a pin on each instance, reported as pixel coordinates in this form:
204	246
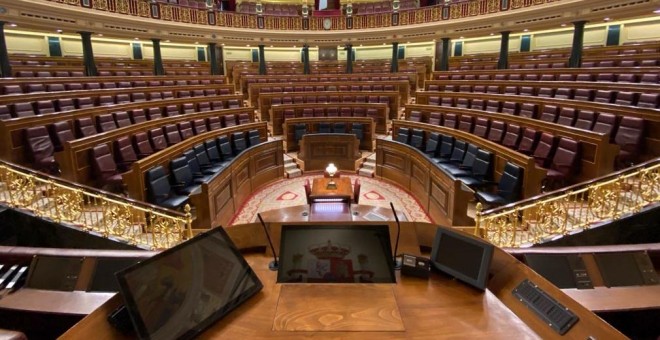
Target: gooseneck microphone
274	265
397	263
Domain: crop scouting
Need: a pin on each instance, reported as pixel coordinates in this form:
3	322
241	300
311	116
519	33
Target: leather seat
629	137
124	153
40	150
243	118
403	135
225	148
122	119
61	133
299	130
204	160
199	126
432	144
213	152
154	113
446	149
417	139
185	130
549	113
200	175
358	130
544	149
105	169
172	135
254	138
512	136
214	123
508	188
496	131
157	139
229	120
84	127
142	145
605	123
585	120
324	128
44	107
457	155
435	118
564	163
159	189
450	121
481	127
481	172
23	110
466	123
528	141
567	116
105	123
238	141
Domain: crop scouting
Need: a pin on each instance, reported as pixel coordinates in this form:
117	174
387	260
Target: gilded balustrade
573	209
92	210
202	16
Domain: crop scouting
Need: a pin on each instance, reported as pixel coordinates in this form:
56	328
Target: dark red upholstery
105	168
649	100
567	116
564	162
450	120
544	149
229	120
105	123
23	110
528	110
510	108
141	145
528	141
61	133
122	119
172	135
549	114
629	137
154	113
512	136
481	127
199	126
185	130
585	120
137	116
44	107
40	149
605	123
466	123
124	153
84	127
496	131
157	139
435	118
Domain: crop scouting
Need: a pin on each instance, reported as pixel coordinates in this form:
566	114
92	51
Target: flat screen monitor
619	269
104	274
461	256
336	254
183	290
54	272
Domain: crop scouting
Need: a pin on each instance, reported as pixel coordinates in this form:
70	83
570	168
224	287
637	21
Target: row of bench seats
251	80
194	167
321	88
646	100
627	132
94	85
357	129
650	78
467	163
558	53
321	98
76	71
20	110
541	65
332	112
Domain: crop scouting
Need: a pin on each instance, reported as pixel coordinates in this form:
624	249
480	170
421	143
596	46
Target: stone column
5	66
88	54
159	70
575	59
262	60
503	62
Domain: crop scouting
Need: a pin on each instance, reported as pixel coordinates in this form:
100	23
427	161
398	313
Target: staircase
368	167
291	169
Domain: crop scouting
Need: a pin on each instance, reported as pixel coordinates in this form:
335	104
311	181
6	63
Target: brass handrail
93	210
569	210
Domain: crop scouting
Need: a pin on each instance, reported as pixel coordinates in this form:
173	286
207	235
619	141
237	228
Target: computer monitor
183	290
336	254
462	256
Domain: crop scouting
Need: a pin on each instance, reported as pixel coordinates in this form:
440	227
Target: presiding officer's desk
411	308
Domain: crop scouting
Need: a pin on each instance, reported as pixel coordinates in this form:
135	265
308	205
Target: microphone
397	262
274	265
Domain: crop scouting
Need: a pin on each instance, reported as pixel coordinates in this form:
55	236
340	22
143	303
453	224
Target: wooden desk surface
56	302
440	306
320	188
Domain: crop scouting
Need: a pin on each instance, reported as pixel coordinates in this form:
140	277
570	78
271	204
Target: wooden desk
344	190
317	150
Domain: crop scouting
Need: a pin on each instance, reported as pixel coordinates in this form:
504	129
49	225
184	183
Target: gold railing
92	210
572	209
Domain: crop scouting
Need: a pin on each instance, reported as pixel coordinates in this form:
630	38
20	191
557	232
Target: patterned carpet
290	192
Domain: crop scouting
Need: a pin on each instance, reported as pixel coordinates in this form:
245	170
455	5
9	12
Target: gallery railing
571	209
92	210
202	16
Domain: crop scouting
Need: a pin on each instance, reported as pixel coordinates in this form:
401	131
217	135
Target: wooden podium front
317	150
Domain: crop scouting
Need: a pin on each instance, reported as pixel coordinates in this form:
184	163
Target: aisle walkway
290	192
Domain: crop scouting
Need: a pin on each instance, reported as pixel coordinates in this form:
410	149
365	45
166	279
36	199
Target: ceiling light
100	34
491	33
136	38
563	25
58	31
168	40
526	30
461	37
607	19
248	45
657	11
12	25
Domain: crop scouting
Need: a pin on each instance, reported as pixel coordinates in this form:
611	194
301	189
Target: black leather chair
457	154
508	188
299	130
339	128
253	137
159	191
446	149
225	148
204	161
214	153
402	136
417	139
482	171
200	175
239	142
182	177
465	167
358	130
432	144
324	128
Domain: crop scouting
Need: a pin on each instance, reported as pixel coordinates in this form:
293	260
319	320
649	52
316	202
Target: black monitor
620	269
336	254
462	256
555	268
185	289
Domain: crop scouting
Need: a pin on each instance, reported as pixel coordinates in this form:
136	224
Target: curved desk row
135	178
336	97
598	153
311	124
75	158
533	175
501	85
280	115
101	79
255	89
652	116
12	134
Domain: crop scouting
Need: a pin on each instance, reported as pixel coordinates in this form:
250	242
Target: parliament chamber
336	169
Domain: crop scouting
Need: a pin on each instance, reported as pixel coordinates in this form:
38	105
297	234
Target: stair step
294	173
366	172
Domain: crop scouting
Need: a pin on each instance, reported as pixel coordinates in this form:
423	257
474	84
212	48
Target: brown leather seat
629	137
172	134
496	131
61	133
105	123
106	169
124	153
564	163
141	145
40	149
544	149
605	123
185	130
122	119
481	127
528	141
512	136
157	139
229	120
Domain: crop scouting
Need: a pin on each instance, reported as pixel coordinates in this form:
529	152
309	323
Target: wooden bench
74	159
533	175
438	75
367	142
314	78
278	117
598	153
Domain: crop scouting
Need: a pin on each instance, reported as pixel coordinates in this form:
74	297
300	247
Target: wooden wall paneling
380	121
367	142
